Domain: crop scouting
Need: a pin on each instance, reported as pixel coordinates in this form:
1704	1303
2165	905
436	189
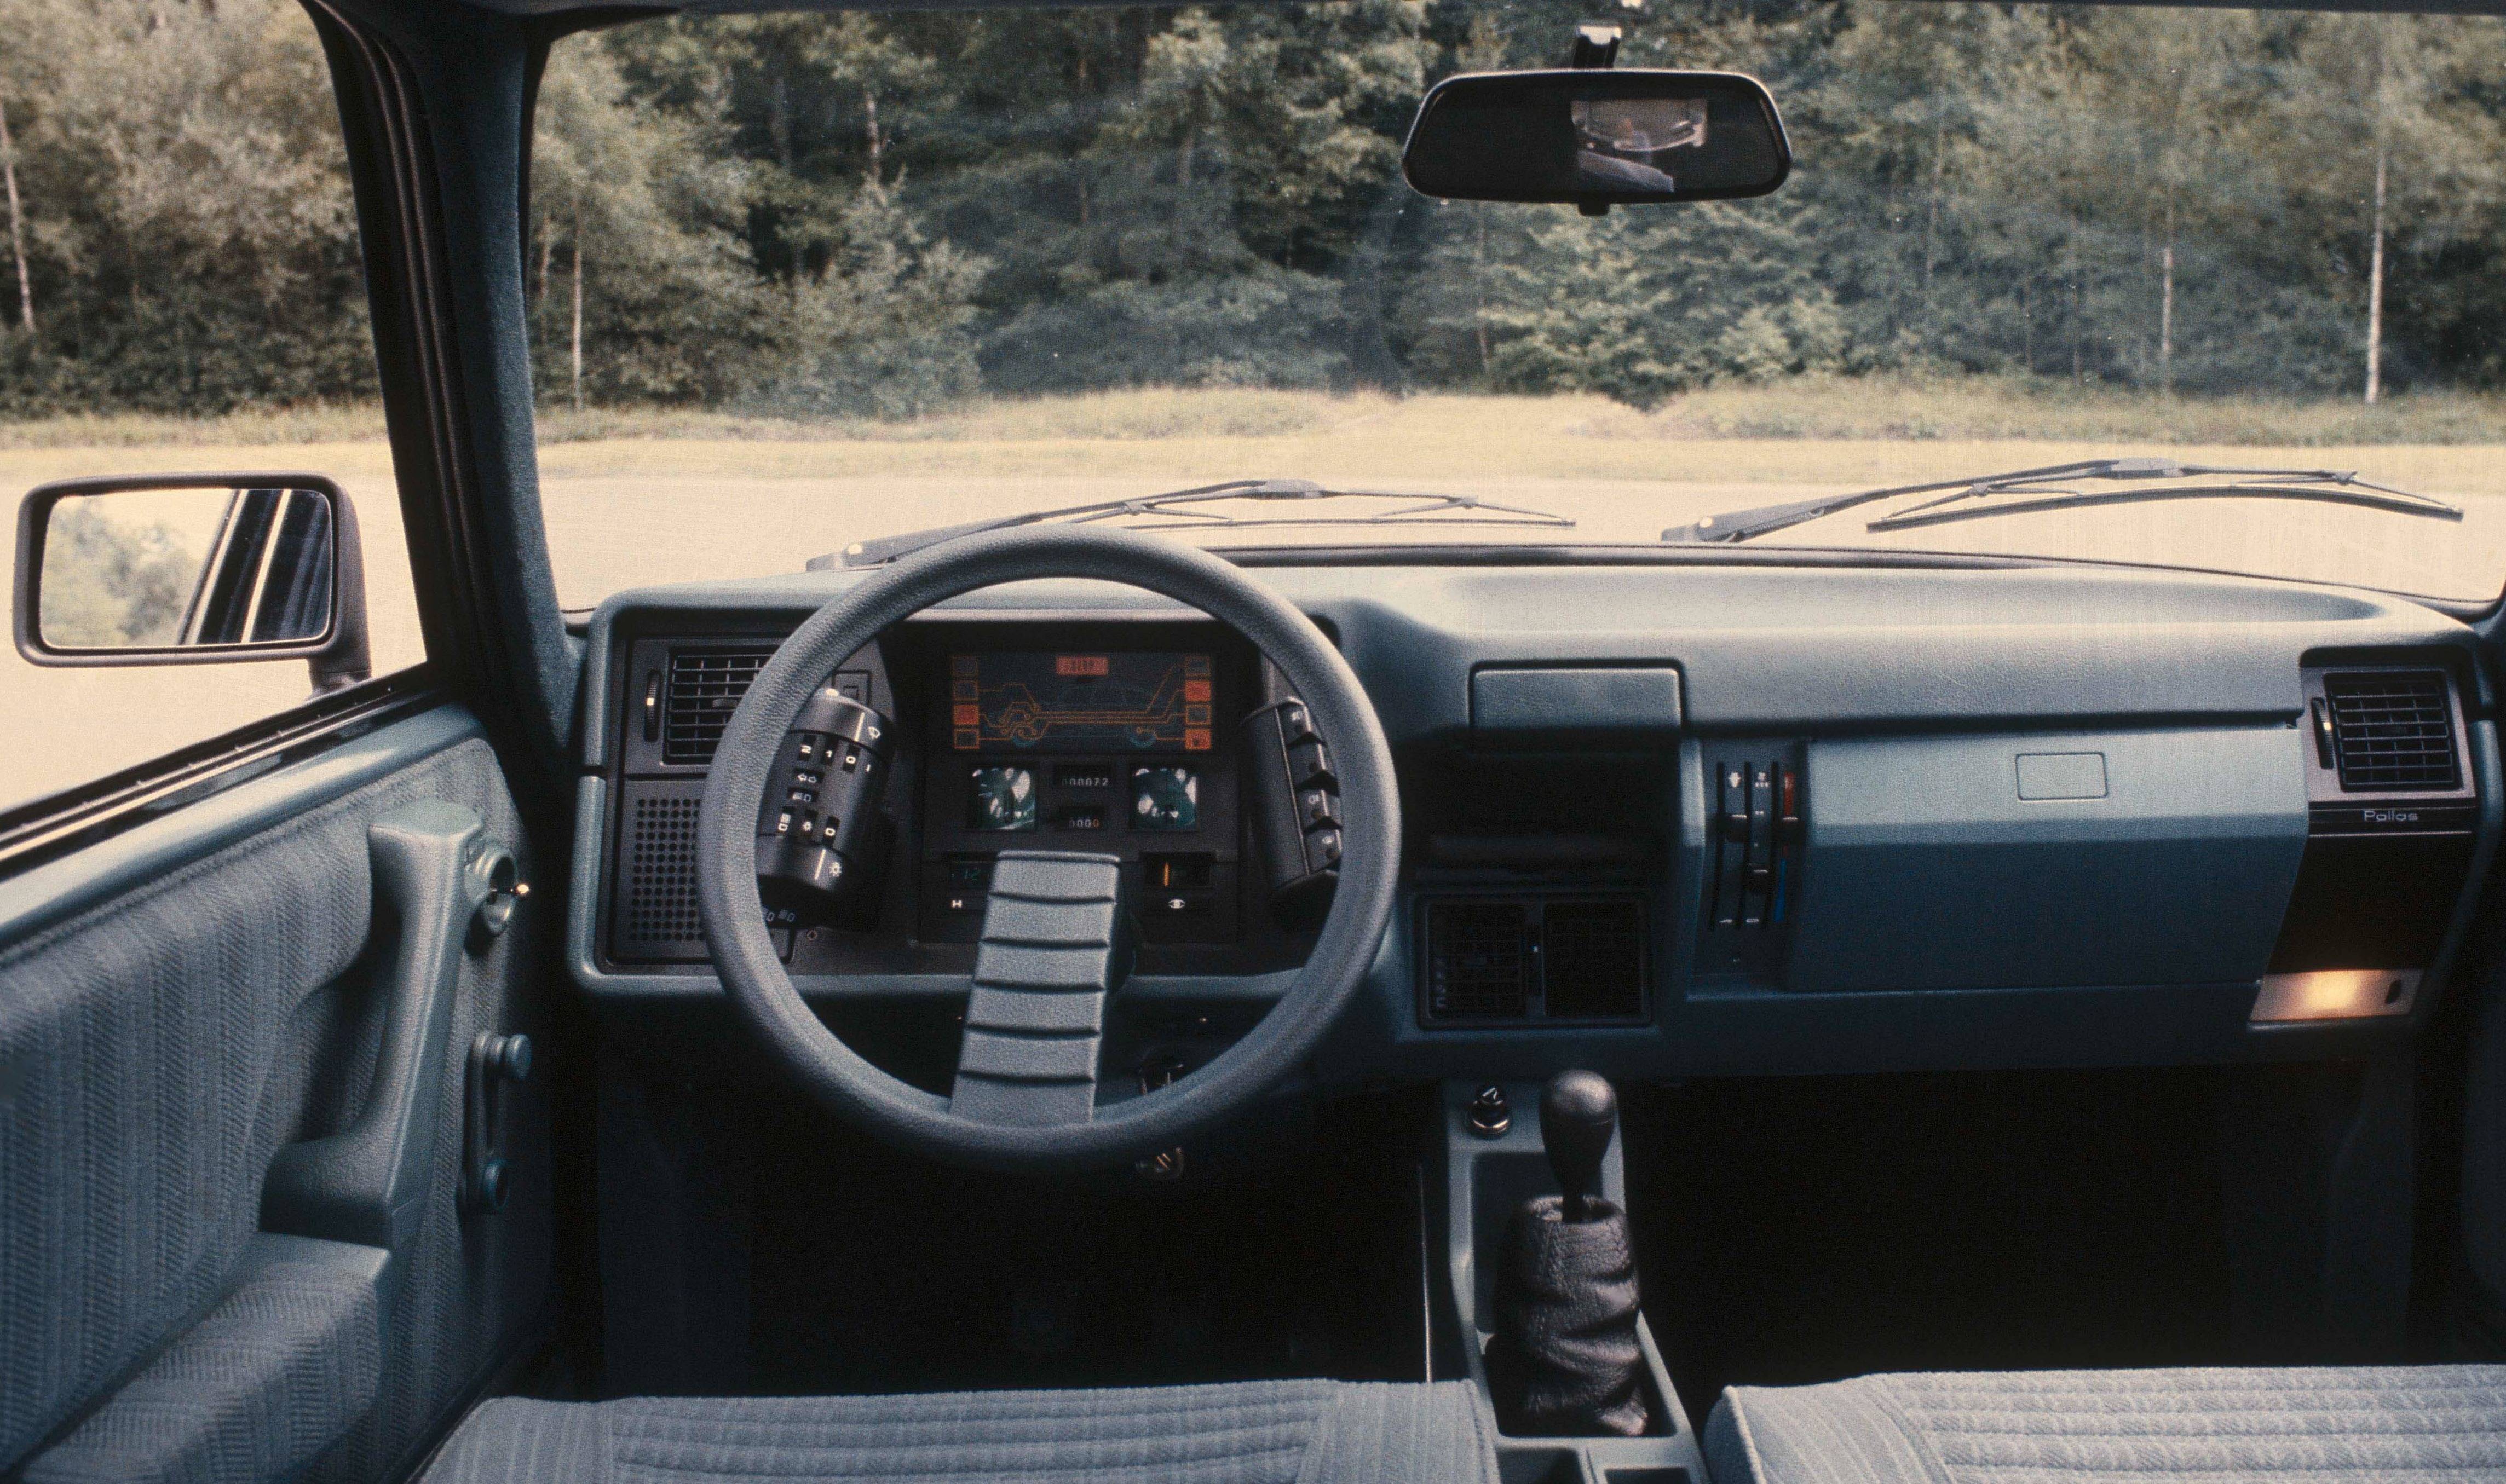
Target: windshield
801	283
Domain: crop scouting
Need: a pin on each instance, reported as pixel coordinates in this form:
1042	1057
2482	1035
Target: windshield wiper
1181	504
2042	489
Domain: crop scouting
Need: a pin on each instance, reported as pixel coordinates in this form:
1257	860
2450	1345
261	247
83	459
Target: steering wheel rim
840	1078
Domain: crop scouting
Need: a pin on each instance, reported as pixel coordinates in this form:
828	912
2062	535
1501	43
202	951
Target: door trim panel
57	890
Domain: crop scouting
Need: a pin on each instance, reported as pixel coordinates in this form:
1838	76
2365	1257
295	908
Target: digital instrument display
1098	702
1165	800
1002	800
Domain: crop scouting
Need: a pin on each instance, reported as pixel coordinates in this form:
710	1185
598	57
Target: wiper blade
2042	489
1181	505
2331	487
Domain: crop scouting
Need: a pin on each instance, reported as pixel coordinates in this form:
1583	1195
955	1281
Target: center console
1496	1160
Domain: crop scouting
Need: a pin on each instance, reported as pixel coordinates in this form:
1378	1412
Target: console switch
1754	849
1296	796
820	823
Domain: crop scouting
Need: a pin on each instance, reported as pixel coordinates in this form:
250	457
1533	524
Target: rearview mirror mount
193	569
1597	138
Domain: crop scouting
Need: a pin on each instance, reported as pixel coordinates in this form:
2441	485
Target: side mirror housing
193	569
1597	138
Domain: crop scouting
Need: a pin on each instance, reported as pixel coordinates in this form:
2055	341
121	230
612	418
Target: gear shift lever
1579	1113
1565	1359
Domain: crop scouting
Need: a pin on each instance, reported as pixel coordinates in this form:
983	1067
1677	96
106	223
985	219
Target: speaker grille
658	915
2392	732
1592	956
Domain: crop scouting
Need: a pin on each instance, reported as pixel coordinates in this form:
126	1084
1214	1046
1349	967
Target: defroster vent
2392	732
704	689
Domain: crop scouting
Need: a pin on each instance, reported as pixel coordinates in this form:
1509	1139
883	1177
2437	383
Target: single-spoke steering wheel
1010	1128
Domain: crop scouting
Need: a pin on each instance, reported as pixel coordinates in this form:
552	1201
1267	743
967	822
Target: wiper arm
2336	487
1180	506
2332	487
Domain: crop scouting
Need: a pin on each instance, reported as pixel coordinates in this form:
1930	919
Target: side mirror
1597	138
193	569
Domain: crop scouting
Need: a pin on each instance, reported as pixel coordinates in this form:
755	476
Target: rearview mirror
192	569
1597	138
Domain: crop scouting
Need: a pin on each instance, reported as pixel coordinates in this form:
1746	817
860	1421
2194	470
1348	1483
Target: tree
185	208
113	584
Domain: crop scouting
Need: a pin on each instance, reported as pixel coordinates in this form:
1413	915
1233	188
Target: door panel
180	1004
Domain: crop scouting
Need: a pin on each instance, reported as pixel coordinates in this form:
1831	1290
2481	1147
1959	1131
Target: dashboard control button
1322	849
1168	872
1295	724
1179	903
1309	766
1317	806
963	903
1735	826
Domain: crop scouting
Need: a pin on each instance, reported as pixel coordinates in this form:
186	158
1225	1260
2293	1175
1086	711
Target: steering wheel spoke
1055	942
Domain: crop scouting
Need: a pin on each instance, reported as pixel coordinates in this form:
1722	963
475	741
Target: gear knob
1579	1111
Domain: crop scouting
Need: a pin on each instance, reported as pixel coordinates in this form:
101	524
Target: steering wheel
1041	1128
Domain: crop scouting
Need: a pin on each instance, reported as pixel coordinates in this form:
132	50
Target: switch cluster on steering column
815	826
1296	795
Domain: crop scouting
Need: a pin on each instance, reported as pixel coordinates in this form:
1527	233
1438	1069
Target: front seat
1258	1433
2149	1426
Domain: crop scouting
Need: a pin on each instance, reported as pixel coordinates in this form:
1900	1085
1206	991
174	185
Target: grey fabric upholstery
2396	1425
275	1373
158	1050
1264	1432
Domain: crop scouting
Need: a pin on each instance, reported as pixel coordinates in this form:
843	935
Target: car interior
1035	998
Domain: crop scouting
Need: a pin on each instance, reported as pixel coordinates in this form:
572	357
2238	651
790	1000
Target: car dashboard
1661	820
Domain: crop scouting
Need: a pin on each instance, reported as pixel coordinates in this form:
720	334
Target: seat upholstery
1262	1432
2394	1425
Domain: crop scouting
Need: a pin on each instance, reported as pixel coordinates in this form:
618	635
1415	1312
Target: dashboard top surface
1759	647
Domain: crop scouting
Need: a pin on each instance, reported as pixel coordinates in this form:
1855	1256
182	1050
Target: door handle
435	870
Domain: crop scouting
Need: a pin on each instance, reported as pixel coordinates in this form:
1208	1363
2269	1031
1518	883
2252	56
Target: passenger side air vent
2391	731
1593	960
704	689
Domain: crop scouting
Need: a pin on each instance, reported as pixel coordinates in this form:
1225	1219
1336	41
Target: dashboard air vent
1477	961
2392	731
704	689
1593	954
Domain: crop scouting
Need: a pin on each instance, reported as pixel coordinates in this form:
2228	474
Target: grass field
639	496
